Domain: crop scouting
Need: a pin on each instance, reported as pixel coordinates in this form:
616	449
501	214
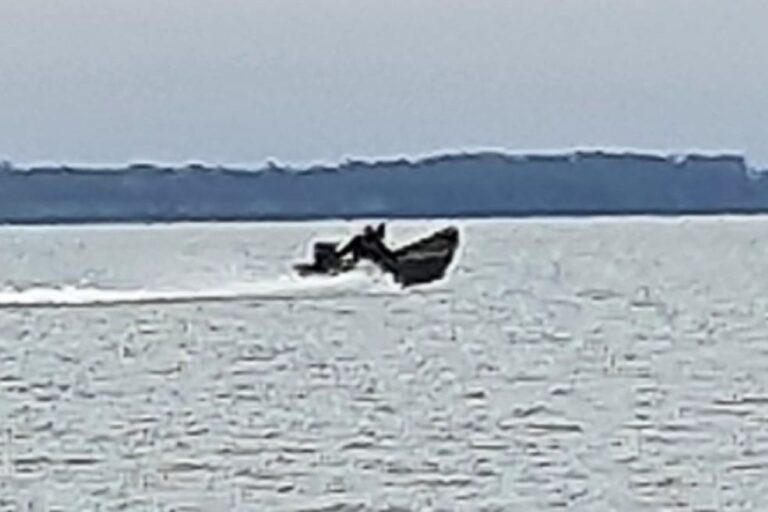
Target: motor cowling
325	255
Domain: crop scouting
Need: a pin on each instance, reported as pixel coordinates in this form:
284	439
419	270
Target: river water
609	364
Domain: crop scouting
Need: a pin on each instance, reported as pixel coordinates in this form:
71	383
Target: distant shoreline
477	217
455	185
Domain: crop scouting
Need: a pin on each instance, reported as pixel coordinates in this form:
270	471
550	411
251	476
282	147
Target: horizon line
413	158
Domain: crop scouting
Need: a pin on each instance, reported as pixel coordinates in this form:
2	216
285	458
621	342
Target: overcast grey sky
238	81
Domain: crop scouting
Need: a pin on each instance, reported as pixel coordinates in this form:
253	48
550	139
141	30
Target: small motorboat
419	262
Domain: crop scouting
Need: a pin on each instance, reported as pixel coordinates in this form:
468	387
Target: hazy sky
238	81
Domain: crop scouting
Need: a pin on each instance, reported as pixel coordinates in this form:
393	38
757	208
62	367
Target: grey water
571	364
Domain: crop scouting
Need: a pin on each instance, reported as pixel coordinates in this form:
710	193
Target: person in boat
369	245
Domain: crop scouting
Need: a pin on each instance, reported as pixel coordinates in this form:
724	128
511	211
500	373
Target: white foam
280	288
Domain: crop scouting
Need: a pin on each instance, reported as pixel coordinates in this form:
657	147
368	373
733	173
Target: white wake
276	289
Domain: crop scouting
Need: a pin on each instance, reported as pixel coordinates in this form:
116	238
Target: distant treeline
483	184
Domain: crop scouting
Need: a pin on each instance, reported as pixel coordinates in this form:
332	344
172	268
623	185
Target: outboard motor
325	256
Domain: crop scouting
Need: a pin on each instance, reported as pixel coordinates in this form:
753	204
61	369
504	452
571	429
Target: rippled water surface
564	365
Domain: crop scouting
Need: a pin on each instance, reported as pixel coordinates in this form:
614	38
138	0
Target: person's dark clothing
369	246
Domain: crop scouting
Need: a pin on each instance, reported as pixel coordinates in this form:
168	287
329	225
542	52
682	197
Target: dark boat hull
426	260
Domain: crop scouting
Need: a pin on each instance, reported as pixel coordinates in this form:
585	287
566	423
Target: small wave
276	289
